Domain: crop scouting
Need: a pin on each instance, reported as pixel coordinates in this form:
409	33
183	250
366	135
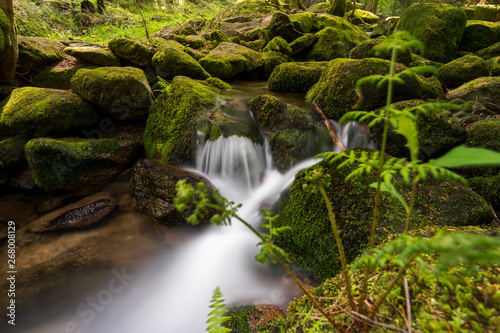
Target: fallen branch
408	304
331	129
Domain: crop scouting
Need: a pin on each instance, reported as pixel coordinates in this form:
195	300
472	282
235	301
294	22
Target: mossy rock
335	92
367	49
295	76
321	7
196	42
169	134
270	61
94	55
259	33
479	35
494	66
282	26
37	51
251	8
418	60
302	43
169	62
303	22
487	187
366	16
310	242
131	50
71	162
483	134
482	13
12	157
124	92
471	111
438	26
437	133
293	134
217	37
250	318
491	51
462	70
38	112
5	41
256	45
228	60
385	27
218	83
278	44
485	90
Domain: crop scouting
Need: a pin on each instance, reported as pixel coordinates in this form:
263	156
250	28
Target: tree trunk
338	8
369	5
8	58
101	8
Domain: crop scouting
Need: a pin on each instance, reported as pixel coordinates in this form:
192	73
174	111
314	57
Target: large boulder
485	90
37	51
153	184
335	92
228	60
489	52
367	49
12	157
282	26
94	55
484	134
385	27
38	112
295	76
131	50
438	26
293	134
169	62
482	13
124	92
479	35
462	70
71	162
310	242
8	42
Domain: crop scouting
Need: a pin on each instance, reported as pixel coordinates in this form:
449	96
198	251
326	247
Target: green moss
131	50
170	62
303	22
196	42
217	37
295	76
302	43
12	154
366	49
259	33
5	42
462	70
256	45
484	90
385	27
218	83
494	66
330	44
58	75
278	44
169	135
37	51
281	26
38	112
479	35
94	55
488	188
310	242
489	52
482	13
438	26
484	134
238	321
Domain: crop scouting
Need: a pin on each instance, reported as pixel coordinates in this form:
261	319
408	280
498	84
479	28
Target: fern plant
216	317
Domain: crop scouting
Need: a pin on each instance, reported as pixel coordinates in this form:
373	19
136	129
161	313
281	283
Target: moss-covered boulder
256	45
491	51
479	35
38	112
37	51
485	90
131	50
71	162
258	33
12	157
282	26
228	60
488	187
483	134
385	27
278	44
94	55
58	75
303	22
302	43
366	16
270	61
169	62
217	37
437	133
494	66
367	49
438	26
462	70
335	91
218	83
310	242
482	13
195	42
124	92
8	43
295	76
293	134
153	184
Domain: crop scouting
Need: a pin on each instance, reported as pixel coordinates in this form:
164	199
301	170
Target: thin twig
373	322
494	213
331	129
408	304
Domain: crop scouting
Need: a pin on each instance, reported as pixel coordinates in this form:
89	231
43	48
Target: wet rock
438	26
485	90
94	55
78	215
38	112
37	51
462	70
124	92
153	185
71	162
131	50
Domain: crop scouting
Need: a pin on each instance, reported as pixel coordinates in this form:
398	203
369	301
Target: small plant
216	317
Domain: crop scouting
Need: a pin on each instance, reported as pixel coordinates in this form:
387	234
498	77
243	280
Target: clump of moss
37	51
479	35
271	60
366	49
170	62
94	55
131	50
218	83
462	70
295	76
12	154
278	44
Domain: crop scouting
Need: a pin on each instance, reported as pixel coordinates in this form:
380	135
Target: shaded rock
302	43
8	43
78	215
479	35
278	44
482	13
12	154
37	51
335	92
310	242
59	74
169	62
488	188
271	60
94	55
293	134
471	111
483	134
494	66
153	184
462	70
438	26
259	33
37	112
385	27
217	37
295	76
485	90
228	60
71	162
282	26
367	49
491	51
131	50
124	92
256	45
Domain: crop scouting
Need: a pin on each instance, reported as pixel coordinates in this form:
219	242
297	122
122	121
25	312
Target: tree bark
8	61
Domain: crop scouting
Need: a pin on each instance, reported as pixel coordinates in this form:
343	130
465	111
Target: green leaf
389	187
408	129
462	156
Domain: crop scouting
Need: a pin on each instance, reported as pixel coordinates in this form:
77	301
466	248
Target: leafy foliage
216	317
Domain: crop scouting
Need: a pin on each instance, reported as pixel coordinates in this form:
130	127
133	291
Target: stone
94	55
295	76
169	62
485	90
462	70
37	51
131	50
479	35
